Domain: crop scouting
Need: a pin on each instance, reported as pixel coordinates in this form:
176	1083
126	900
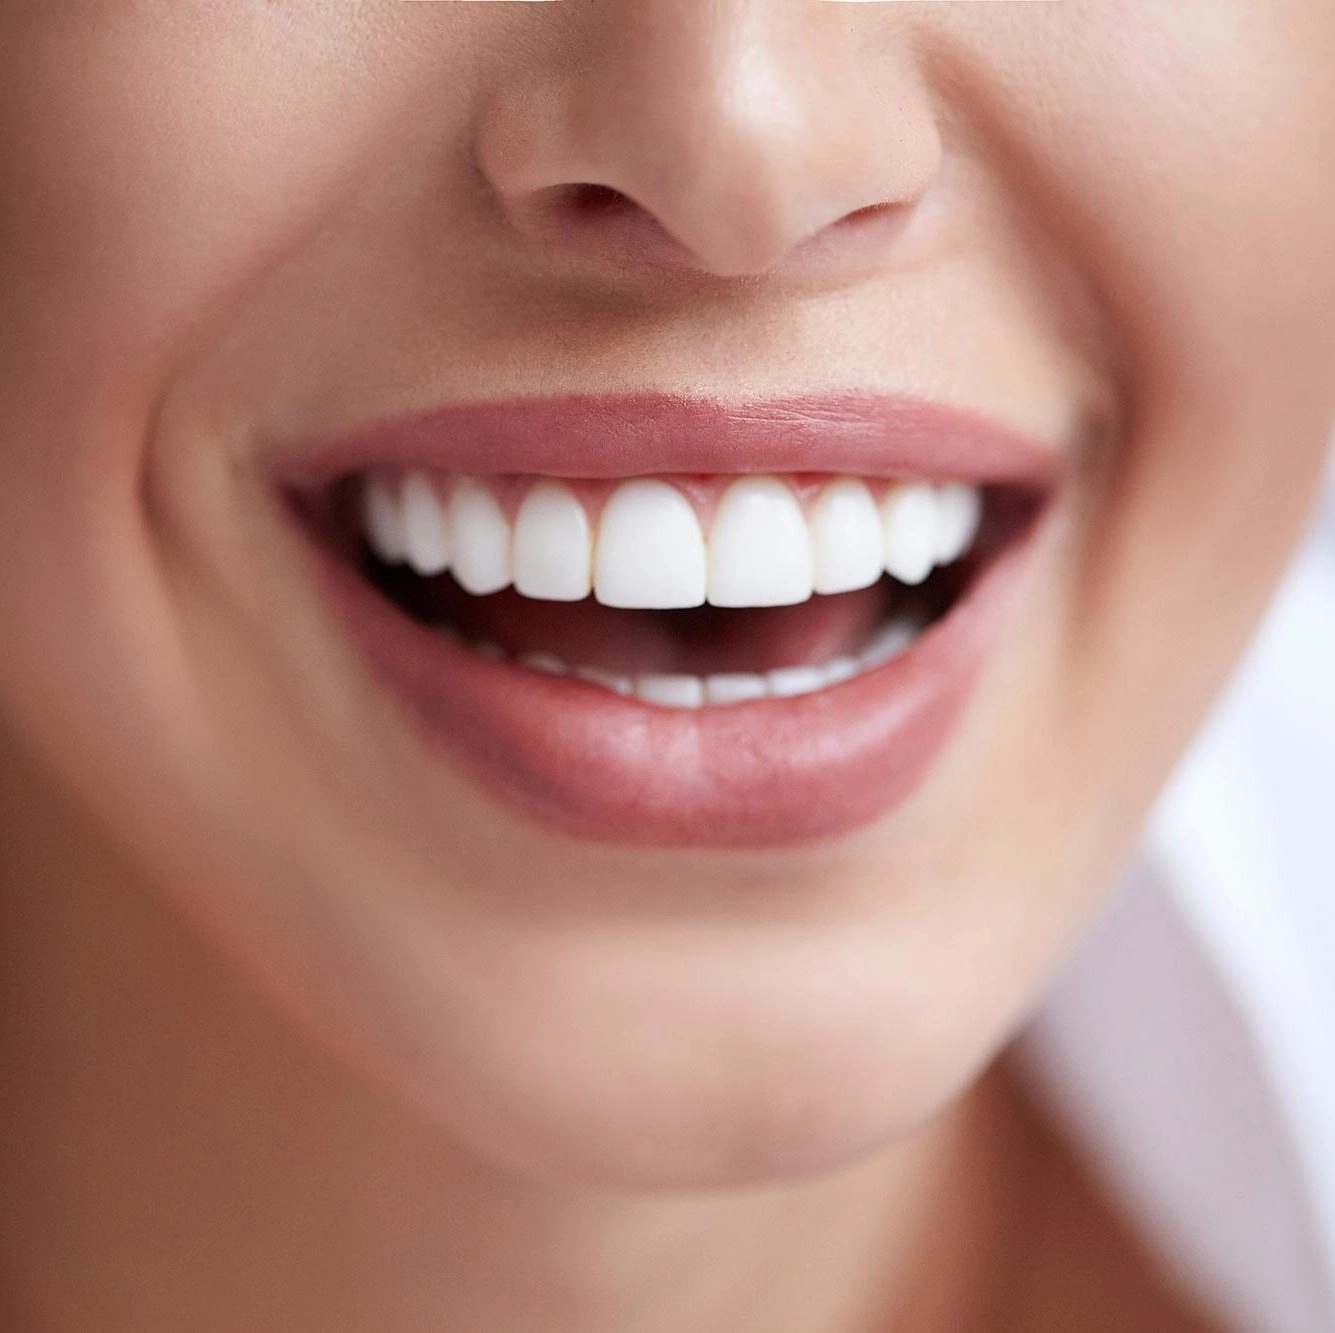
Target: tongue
702	641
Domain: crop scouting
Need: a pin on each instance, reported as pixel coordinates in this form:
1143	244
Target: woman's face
593	936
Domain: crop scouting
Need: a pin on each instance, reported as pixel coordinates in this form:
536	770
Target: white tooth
671	691
759	550
841	669
382	520
788	681
894	639
481	539
493	652
847	548
908	520
959	510
651	552
735	688
425	535
553	545
609	680
548	663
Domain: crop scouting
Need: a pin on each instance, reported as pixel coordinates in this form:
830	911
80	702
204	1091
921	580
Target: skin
306	1031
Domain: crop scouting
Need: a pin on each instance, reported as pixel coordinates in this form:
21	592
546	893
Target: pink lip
870	435
773	773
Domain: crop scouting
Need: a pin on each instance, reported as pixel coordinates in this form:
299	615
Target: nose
720	134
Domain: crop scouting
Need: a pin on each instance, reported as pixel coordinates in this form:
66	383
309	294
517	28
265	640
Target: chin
686	1062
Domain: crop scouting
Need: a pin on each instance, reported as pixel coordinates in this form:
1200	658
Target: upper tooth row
650	551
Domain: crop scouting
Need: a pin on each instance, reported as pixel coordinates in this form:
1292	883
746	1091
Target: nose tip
717	137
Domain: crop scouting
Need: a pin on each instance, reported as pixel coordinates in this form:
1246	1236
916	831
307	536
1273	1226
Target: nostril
871	213
601	221
582	205
597	200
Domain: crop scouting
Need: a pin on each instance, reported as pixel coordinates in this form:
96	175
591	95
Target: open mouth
709	658
684	592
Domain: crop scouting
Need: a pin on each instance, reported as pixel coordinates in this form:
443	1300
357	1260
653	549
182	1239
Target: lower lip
601	767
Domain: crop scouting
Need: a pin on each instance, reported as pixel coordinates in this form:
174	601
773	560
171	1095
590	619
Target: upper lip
623	435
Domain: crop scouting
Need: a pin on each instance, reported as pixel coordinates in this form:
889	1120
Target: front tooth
847	548
671	691
481	539
382	520
908	521
785	682
759	550
425	533
735	688
959	511
553	545
651	552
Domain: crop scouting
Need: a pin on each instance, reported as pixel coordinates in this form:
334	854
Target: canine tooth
894	639
553	545
847	548
426	538
735	688
908	520
545	662
382	521
609	680
959	510
481	539
650	550
785	682
671	691
759	550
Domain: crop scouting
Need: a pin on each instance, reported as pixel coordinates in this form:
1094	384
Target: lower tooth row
686	691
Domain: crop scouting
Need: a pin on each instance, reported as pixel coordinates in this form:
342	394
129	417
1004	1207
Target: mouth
635	648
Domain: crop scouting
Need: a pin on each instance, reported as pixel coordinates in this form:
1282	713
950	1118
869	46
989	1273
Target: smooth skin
299	1029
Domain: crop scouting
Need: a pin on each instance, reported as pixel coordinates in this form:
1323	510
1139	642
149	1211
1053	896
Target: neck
180	1158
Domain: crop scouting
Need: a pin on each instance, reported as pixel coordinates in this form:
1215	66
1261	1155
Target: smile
748	654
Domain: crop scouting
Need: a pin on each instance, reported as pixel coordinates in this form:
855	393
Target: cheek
1186	154
163	165
155	167
1181	159
1211	225
152	166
